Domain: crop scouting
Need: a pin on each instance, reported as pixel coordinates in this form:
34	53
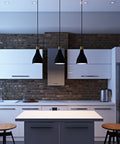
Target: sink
27	101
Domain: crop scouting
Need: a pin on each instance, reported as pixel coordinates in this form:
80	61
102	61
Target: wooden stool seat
111	126
112	132
7	126
4	127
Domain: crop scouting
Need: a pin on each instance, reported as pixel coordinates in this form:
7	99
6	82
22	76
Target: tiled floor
23	143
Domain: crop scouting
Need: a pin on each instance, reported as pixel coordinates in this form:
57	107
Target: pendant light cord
59	21
81	23
37	23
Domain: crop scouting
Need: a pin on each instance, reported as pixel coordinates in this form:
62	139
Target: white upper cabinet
98	67
17	64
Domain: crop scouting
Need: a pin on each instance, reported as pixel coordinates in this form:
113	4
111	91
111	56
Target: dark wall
38	89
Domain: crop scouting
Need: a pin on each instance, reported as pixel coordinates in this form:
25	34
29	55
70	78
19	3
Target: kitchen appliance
56	73
105	95
118	92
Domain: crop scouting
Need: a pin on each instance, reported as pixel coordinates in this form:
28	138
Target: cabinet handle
41	127
79	108
7	109
102	108
89	75
30	108
20	76
77	126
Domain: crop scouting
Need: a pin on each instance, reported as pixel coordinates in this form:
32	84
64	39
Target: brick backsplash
38	89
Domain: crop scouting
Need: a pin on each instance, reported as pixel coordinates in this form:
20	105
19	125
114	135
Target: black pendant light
81	57
37	59
59	57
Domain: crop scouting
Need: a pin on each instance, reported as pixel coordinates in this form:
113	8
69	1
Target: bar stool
112	132
4	127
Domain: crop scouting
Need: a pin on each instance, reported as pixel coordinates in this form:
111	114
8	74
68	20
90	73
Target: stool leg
109	142
117	137
106	137
113	139
4	137
12	138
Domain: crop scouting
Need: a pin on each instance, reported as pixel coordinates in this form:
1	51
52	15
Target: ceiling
100	16
66	5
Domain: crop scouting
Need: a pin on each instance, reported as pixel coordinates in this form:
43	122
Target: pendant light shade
81	57
37	59
59	57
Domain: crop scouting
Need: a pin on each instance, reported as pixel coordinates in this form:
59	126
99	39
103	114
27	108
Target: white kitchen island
59	127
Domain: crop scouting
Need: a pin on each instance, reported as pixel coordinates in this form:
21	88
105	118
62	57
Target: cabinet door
98	67
108	114
78	133
41	133
8	115
18	64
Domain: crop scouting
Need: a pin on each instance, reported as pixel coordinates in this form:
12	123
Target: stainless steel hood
56	73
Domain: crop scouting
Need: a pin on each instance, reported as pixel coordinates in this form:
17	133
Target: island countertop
59	115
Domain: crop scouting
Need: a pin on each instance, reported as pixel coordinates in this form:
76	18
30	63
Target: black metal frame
112	134
4	134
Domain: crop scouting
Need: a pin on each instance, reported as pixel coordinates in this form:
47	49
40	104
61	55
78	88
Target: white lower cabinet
109	116
7	115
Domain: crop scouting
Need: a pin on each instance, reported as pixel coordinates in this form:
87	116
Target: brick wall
38	89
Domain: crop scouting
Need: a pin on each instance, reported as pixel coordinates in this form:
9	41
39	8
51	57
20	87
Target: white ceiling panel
53	5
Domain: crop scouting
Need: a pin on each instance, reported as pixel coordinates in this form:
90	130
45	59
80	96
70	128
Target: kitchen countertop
56	102
57	115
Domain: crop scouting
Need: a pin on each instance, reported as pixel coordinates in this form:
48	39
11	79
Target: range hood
56	73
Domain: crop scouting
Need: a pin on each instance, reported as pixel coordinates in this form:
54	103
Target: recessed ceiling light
33	2
112	2
6	2
84	2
